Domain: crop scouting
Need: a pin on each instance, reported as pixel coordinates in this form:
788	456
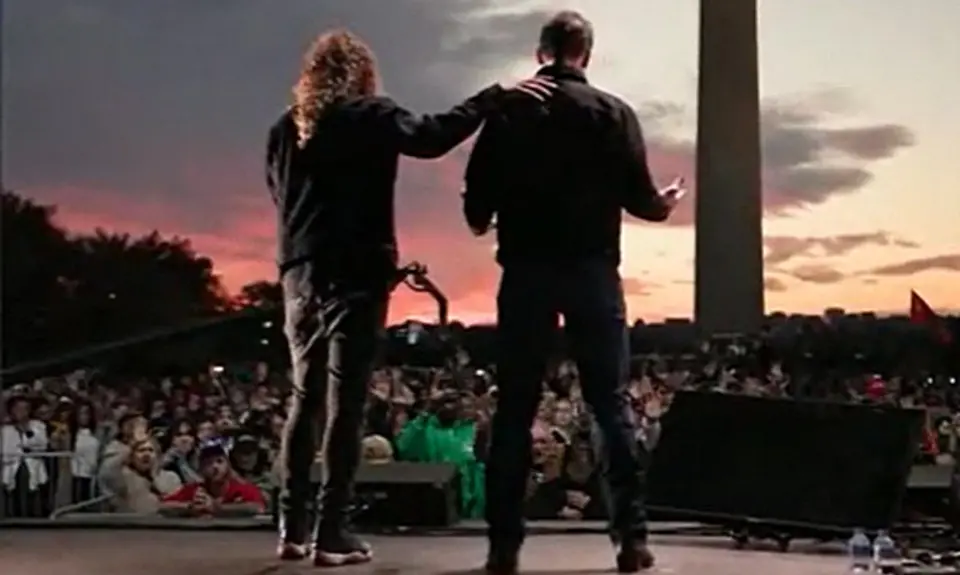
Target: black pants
590	297
333	328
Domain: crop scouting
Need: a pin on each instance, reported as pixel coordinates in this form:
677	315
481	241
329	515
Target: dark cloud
818	274
780	249
136	98
774	284
806	159
946	262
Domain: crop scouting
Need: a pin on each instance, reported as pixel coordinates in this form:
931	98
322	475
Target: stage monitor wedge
784	462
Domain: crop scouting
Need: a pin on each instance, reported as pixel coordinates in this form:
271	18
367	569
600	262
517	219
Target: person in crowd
206	428
577	161
378	405
111	420
131	427
251	463
180	457
442	435
158	415
220	492
564	416
581	481
544	498
60	443
226	423
86	451
397	419
376	450
649	411
24	475
338	263
143	483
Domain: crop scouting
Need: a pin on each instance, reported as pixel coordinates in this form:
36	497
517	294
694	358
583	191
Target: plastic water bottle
860	552
886	554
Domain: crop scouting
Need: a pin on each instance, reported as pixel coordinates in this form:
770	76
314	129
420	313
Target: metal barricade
41	488
36	486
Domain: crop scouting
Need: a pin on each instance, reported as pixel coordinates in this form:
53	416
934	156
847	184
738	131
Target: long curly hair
338	65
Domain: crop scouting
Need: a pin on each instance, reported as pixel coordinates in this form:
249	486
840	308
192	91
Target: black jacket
557	175
334	197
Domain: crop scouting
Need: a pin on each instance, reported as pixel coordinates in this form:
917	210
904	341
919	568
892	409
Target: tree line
157	303
63	291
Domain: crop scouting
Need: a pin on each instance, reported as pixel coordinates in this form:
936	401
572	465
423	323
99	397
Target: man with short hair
557	176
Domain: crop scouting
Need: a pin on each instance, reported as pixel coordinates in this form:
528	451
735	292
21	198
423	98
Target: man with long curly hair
331	168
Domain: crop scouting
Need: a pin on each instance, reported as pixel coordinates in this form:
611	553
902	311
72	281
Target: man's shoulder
609	100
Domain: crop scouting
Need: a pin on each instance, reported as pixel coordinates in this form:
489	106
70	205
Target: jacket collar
561	72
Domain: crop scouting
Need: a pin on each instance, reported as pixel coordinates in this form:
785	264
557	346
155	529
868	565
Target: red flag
922	314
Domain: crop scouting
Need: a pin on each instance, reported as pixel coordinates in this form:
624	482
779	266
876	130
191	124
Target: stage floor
142	552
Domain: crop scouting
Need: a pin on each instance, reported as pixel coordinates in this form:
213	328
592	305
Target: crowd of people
207	444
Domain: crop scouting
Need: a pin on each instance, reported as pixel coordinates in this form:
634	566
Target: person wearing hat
251	462
221	492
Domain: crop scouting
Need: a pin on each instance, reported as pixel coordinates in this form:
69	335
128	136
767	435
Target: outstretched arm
431	136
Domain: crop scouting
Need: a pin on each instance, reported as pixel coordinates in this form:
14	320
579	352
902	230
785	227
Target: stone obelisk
729	233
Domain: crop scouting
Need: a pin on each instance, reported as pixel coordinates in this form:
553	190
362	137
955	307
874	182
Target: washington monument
729	244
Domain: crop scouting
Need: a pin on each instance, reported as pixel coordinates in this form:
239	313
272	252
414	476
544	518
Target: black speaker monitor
802	463
407	494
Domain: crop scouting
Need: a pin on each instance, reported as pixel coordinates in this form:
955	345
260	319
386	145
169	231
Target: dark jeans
333	328
590	297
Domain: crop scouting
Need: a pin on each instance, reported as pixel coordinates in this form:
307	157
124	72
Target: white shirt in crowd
85	454
14	444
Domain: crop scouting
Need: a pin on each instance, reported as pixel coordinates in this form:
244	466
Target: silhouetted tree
262	294
130	285
62	293
35	257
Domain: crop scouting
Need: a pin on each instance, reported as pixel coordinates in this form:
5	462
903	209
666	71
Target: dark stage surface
141	552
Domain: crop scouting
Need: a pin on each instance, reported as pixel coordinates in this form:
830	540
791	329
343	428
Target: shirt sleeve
639	195
482	180
433	135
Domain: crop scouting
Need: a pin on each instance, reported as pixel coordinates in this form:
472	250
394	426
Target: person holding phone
557	176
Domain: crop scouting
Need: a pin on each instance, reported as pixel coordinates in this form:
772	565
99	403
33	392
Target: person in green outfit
444	433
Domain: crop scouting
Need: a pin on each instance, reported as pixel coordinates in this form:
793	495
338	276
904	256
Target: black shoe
339	546
634	557
502	561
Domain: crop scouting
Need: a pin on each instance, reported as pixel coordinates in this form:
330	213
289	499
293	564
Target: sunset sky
141	115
